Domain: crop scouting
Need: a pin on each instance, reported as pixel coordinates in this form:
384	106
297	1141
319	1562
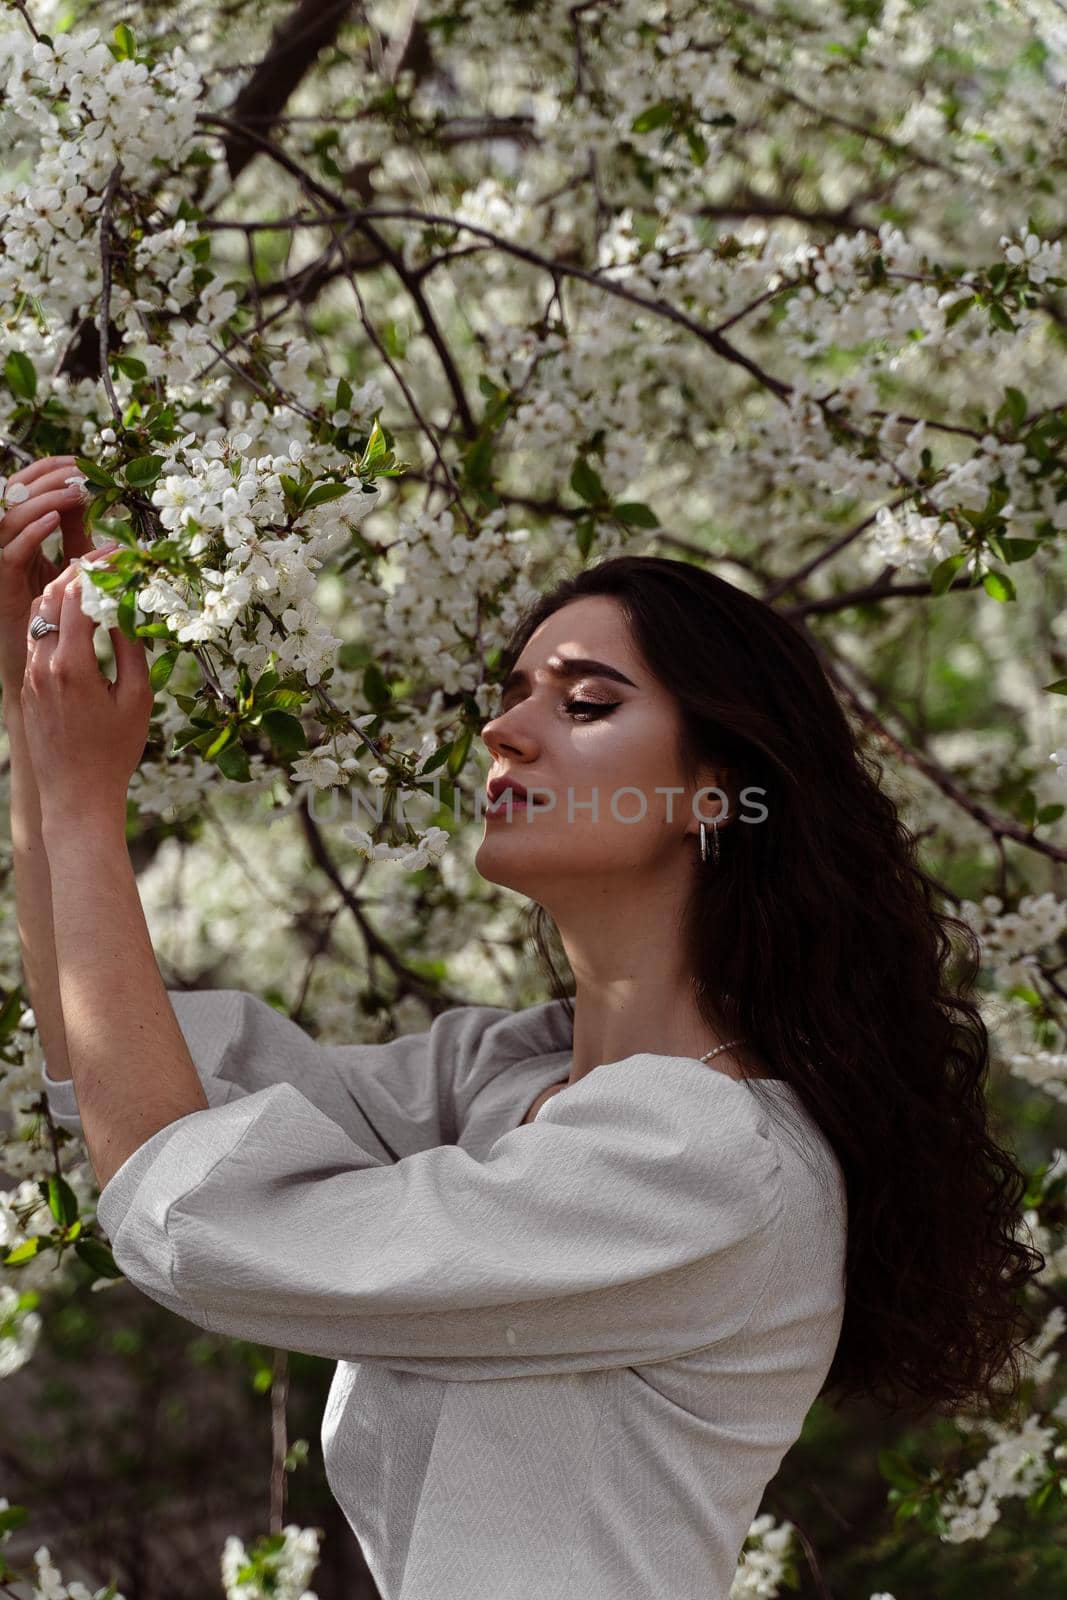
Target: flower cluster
275	1569
1012	940
764	1560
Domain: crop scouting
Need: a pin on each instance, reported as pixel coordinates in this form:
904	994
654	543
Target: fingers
72	624
54	496
55	478
132	670
36	469
73	645
19	549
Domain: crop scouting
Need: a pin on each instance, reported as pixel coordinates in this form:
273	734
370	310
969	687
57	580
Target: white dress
571	1354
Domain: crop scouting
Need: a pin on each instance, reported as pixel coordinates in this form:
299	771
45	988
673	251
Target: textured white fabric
571	1354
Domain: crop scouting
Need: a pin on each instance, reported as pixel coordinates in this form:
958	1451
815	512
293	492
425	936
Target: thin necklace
726	1046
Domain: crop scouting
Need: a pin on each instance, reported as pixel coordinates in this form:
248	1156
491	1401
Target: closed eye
591	708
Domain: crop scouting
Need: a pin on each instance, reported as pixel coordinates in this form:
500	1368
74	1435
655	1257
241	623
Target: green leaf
943	574
1015	406
22	1252
376	453
636	515
653	117
324	492
1027	812
586	482
958	309
233	763
187	736
21	375
131	366
583	535
13	1517
999	317
698	148
375	689
125	45
1051	813
62	1201
227	736
897	1471
98	1256
265	683
95	473
393	339
1037	1500
293	491
108	580
143	471
343	399
286	733
279	699
126	617
165	550
353	653
440	755
1059	687
999	585
478	460
162	667
12	1010
1018	549
459	752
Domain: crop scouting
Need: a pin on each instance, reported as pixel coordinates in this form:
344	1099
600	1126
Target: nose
505	732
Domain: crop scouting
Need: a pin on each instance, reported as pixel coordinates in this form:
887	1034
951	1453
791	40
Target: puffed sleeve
392	1099
634	1220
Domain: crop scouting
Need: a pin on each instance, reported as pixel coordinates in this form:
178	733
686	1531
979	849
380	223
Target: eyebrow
568	667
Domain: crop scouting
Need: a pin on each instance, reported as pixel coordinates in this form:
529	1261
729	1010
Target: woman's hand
85	734
24	571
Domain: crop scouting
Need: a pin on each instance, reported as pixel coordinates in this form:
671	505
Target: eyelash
591	709
584	710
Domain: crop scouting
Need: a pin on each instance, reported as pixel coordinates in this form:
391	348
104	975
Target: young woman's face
609	735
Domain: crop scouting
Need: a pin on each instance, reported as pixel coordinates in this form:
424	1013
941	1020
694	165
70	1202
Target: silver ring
39	627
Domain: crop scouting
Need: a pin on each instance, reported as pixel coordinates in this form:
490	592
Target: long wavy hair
818	938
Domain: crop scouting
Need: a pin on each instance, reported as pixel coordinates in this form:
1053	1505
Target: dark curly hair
819	939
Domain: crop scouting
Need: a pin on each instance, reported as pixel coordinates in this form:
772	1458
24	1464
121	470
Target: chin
510	863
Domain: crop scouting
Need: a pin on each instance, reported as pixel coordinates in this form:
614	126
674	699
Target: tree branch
298	42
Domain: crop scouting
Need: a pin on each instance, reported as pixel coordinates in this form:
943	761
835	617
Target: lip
497	786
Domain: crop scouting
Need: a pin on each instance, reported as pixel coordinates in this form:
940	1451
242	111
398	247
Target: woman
586	1266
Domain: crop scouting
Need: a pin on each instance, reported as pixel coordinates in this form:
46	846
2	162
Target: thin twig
279	1394
105	300
1000	827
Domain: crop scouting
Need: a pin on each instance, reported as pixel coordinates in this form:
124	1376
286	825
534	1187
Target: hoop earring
714	843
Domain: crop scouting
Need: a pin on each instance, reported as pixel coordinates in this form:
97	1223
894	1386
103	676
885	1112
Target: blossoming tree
363	321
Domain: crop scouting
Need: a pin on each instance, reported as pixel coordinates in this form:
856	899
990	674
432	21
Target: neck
633	990
621	1019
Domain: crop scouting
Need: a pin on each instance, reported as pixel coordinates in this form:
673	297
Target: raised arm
636	1220
50	502
33	894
